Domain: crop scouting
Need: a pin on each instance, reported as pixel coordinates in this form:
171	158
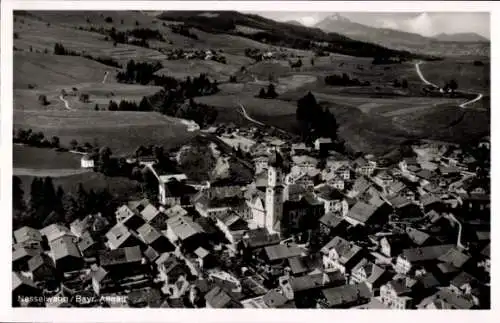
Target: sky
426	24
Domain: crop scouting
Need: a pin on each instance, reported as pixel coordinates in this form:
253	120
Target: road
66	104
49	172
105	77
244	113
463	105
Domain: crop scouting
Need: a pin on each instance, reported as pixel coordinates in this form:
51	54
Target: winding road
463	105
66	104
244	113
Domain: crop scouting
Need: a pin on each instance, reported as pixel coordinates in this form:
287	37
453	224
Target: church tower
274	192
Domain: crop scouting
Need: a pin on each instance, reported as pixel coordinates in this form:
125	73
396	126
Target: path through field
66	104
463	105
105	77
244	113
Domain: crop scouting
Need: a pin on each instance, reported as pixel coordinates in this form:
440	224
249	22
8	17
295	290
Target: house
175	192
304	163
370	274
395	188
279	252
468	286
154	238
218	298
122	262
409	164
93	223
396	294
259	238
446	300
28	237
128	217
224	188
175	210
345	296
300	149
226	281
365	167
232	226
298	266
25	292
21	255
55	231
302	215
205	259
120	236
42	268
360	186
333	200
392	245
294	192
340	254
410	258
323	144
183	230
87	245
99	277
66	255
363	214
151	254
272	299
486	259
331	224
87	161
174	273
418	237
344	172
452	261
154	217
295	287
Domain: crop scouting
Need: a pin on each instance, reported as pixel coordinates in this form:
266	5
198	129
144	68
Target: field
123	132
43	158
122	188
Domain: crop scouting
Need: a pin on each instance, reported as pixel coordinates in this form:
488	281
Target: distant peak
337	17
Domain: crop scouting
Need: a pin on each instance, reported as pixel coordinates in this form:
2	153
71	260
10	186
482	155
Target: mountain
461	38
293	22
400	40
280	33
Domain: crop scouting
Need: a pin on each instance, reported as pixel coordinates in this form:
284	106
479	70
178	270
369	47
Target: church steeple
274	192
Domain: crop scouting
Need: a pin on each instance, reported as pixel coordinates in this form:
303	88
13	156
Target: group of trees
314	120
59	49
35	139
183	31
344	80
124	105
296	64
381	60
137	36
400	84
142	73
269	94
47	205
450	86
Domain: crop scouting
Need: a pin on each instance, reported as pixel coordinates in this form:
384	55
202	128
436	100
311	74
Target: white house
87	162
322	142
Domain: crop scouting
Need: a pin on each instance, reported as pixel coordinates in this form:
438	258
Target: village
313	229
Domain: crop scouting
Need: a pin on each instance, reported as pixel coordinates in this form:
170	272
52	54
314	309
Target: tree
18	202
271	92
112	106
404	84
96	107
144	105
42	99
108	20
54	142
84	97
453	85
71	208
73	144
105	160
262	93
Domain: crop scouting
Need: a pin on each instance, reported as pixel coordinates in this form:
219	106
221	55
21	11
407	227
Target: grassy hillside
123	132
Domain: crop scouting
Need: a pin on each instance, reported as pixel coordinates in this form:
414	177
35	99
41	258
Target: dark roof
274	299
425	174
454	257
282	251
373	272
297	265
418	237
331	220
120	256
39	260
261	237
175	188
464	278
218	298
486	251
446	299
428	281
426	253
316	281
86	241
361	185
400	286
224	182
329	193
184	227
151	254
347	294
399	201
345	249
362	211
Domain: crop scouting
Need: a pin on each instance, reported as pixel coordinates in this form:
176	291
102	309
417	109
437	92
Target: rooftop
362	211
63	247
346	294
184	227
120	256
282	251
426	253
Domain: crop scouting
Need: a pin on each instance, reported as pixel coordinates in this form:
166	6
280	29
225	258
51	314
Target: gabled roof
183	227
261	237
124	212
18	279
418	237
120	256
426	253
151	254
399	201
331	220
464	278
117	235
98	274
86	241
55	231
362	211
446	299
400	286
361	185
486	251
329	193
175	210
273	299
63	247
21	252
37	261
27	233
148	234
346	250
218	298
346	294
297	265
315	281
373	272
282	251
149	213
454	257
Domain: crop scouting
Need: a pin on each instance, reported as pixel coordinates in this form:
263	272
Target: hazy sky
427	24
